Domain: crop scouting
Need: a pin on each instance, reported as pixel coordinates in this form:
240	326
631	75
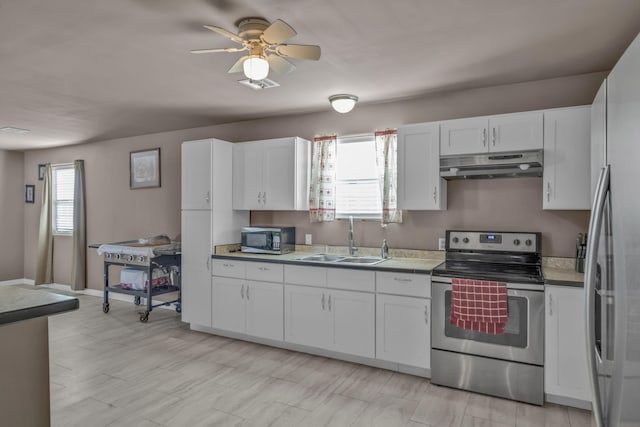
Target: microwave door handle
595	226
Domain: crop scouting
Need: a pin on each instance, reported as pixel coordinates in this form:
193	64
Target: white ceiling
74	71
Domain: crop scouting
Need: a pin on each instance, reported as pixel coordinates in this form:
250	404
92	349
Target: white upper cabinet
419	184
598	135
196	174
271	174
493	134
567	170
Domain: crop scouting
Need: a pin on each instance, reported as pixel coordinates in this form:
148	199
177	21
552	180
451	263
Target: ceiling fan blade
223	49
279	64
278	32
225	33
299	51
237	67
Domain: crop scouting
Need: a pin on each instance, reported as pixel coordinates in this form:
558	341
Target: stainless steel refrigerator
612	275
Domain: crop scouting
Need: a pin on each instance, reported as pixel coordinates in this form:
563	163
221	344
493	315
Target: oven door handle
595	226
515	286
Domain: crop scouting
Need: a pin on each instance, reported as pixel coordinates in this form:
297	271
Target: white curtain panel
322	188
387	163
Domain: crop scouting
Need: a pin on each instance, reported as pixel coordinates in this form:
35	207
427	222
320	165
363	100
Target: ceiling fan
264	43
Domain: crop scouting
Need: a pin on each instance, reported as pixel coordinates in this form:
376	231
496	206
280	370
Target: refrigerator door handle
595	225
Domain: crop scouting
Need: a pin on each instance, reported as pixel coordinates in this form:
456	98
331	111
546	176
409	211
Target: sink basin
322	258
367	260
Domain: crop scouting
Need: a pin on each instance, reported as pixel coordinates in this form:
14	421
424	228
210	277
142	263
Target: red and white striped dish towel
479	305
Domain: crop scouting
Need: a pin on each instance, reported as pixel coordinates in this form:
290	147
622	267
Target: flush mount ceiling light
343	103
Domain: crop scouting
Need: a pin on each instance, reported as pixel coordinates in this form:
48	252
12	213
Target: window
62	187
357	186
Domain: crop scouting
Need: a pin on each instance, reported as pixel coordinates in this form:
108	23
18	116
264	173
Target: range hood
492	165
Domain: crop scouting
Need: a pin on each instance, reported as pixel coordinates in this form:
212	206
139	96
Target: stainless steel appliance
612	270
508	365
268	240
492	165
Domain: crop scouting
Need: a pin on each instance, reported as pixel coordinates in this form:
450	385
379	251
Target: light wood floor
112	370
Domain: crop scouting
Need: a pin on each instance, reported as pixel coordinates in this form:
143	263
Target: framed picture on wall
41	172
29	193
144	169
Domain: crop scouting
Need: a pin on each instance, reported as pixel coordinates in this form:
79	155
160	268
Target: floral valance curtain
387	163
322	188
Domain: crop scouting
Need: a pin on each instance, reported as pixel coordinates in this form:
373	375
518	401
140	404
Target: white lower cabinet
336	320
248	307
565	364
403	330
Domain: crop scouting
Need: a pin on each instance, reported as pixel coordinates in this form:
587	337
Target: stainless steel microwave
268	240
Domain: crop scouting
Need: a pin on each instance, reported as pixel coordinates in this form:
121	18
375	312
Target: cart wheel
105	307
144	317
178	308
136	300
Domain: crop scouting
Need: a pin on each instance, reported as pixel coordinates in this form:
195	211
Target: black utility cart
143	255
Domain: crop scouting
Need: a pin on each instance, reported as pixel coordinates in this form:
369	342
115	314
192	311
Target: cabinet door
306	318
566	175
598	136
515	132
196	175
352	322
195	270
565	367
464	136
264	308
419	184
228	304
247	176
403	330
278	174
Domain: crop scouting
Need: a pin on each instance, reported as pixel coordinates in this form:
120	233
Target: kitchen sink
367	260
322	258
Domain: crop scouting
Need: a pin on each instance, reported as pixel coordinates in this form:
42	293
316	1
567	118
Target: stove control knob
117	256
455	240
528	242
141	259
465	240
516	242
129	257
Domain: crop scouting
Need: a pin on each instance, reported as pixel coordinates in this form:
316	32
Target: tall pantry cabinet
207	220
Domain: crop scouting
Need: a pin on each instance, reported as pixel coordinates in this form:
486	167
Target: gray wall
114	212
12	208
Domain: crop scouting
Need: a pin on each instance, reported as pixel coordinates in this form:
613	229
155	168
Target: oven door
523	340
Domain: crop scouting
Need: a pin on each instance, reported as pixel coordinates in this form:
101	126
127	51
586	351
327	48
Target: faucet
352	244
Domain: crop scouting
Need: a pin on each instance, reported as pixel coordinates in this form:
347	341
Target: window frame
54	201
355	139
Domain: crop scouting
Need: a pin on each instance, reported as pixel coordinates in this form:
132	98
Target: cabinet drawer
265	271
355	280
414	285
301	275
228	268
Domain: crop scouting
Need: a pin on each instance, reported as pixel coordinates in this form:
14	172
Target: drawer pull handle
329	302
263	269
242	292
402	279
322	301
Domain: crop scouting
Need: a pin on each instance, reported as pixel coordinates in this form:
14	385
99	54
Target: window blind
62	200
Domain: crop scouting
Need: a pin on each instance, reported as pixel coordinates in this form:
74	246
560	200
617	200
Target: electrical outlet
441	244
308	239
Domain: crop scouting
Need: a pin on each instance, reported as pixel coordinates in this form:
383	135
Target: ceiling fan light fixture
255	67
343	103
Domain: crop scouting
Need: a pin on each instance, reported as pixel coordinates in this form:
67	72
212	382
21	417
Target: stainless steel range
508	364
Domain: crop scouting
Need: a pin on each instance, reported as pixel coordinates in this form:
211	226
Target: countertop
18	304
394	264
562	277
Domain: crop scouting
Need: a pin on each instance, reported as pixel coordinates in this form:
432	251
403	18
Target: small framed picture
144	168
41	172
29	193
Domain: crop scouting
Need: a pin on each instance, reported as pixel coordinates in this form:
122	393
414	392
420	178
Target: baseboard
16	282
567	401
376	363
